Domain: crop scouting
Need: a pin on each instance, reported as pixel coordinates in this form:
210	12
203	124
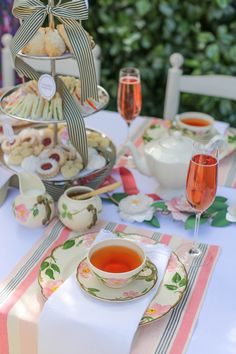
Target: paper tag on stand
47	86
7	129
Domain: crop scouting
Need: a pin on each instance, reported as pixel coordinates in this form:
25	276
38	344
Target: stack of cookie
33	150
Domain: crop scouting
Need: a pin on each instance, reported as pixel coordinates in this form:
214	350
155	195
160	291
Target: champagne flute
201	185
129	100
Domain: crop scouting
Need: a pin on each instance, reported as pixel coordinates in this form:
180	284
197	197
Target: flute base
192	256
195	252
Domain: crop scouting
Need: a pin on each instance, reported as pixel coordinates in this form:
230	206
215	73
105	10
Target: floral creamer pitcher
33	207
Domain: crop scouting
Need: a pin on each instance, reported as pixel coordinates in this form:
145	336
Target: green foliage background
145	33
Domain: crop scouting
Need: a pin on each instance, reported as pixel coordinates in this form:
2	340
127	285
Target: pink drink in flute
201	185
201	181
129	100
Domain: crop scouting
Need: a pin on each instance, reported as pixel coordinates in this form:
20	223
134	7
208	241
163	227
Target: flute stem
195	250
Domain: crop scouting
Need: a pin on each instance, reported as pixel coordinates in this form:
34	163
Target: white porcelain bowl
196	122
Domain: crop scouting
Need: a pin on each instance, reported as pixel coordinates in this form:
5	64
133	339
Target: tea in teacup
116	262
196	122
116	259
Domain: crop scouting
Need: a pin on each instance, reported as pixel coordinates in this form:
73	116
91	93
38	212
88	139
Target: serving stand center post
53	70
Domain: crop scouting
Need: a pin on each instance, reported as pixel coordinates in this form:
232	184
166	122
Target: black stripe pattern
74	120
176	313
31	262
33	14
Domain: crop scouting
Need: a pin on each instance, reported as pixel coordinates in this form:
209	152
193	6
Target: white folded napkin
75	323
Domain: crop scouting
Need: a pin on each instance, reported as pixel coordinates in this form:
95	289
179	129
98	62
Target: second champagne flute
129	100
201	185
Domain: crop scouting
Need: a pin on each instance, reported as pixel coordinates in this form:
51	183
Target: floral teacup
116	262
196	122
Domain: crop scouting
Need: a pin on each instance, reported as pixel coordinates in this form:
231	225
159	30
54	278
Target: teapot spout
139	159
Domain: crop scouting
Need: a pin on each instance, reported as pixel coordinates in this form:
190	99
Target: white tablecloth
216	328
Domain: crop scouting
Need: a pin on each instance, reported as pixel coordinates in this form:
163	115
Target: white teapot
167	161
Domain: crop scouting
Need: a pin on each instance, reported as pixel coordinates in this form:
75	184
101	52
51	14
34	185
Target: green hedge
145	33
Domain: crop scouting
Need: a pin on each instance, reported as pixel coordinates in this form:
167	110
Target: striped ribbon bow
33	14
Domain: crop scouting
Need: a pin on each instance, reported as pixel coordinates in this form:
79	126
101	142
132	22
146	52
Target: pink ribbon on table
128	181
108	180
154	196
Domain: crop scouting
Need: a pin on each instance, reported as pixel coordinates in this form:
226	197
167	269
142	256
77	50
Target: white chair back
64	67
209	85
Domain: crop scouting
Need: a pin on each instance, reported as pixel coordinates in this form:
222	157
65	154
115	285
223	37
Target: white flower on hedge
136	208
231	213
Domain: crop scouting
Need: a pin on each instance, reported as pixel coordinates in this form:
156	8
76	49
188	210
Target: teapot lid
173	148
175	142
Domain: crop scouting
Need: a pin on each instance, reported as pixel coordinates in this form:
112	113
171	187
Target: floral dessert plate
64	259
145	281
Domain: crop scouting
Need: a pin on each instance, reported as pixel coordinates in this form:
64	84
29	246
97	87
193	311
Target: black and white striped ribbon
71	111
33	14
74	120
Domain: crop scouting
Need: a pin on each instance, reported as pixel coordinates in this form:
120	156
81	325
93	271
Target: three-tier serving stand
92	179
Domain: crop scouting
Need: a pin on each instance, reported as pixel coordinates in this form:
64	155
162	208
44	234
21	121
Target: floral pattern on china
33	207
93	286
63	260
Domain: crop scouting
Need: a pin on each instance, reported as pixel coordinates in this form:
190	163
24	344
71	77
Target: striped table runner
21	301
227	170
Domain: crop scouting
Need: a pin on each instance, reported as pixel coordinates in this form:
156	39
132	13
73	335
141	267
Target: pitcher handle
42	199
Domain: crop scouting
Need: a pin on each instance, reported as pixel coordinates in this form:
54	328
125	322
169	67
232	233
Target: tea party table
215	328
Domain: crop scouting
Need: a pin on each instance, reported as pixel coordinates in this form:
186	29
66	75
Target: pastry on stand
42	151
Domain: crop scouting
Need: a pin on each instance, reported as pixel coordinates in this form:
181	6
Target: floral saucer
64	259
139	287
